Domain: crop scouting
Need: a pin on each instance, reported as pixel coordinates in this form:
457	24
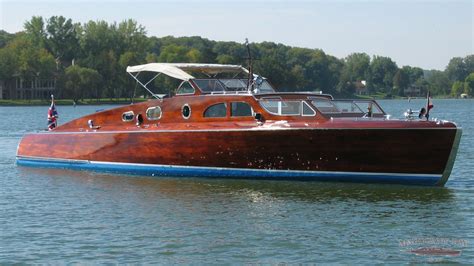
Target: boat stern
452	157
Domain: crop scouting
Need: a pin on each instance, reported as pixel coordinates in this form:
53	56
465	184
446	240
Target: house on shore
413	91
361	87
18	88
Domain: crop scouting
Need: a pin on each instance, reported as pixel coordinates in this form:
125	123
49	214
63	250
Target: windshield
327	106
278	106
214	85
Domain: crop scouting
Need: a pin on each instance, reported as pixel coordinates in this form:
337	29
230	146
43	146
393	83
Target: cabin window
216	110
185	88
128	116
153	113
186	111
307	110
240	109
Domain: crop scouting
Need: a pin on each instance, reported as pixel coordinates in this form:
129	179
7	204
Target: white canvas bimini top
177	70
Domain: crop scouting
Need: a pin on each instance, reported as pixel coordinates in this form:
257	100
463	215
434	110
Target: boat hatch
278	106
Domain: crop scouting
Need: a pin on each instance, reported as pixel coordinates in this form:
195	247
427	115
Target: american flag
52	115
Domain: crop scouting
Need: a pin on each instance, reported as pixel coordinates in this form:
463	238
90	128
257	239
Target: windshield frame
376	108
222	85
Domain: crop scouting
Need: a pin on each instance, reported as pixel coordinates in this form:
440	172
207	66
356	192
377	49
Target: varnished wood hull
422	156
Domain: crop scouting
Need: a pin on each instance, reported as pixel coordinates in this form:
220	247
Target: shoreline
65	102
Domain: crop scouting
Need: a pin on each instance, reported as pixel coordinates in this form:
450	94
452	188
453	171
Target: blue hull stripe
214	172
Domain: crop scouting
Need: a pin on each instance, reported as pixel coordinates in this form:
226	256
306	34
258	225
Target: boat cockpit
210	79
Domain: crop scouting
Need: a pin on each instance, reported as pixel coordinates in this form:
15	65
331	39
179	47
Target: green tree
173	53
225	59
101	45
469	63
8	63
30	61
356	66
457	69
62	39
80	82
132	37
382	71
439	83
125	88
469	84
457	88
5	38
151	58
194	56
401	81
35	30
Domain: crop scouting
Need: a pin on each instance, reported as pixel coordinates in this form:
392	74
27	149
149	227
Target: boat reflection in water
229	191
223	121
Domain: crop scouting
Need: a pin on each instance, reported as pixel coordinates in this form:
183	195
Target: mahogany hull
422	156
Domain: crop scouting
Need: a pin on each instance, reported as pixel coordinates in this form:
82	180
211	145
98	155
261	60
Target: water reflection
254	190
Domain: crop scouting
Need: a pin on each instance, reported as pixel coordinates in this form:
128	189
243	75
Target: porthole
128	116
186	111
153	113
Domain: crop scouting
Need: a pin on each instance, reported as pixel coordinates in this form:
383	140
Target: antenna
250	76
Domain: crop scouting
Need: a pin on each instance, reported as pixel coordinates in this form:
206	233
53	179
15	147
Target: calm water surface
55	215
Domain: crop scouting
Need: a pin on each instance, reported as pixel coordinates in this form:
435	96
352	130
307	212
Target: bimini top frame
178	71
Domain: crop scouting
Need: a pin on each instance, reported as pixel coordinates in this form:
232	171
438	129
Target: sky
425	34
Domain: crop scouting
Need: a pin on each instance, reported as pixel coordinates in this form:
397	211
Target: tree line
89	60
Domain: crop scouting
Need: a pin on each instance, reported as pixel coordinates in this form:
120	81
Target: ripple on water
56	216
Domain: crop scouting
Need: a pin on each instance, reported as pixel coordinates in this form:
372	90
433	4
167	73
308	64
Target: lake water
55	215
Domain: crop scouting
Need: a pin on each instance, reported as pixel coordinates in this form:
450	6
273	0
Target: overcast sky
417	33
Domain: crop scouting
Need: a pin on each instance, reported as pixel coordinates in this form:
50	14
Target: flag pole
429	105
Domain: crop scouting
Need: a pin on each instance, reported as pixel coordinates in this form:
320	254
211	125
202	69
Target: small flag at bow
52	115
429	105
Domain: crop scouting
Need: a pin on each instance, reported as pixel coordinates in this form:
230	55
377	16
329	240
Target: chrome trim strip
260	128
451	158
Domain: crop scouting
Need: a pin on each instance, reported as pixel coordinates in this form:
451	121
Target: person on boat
369	110
422	113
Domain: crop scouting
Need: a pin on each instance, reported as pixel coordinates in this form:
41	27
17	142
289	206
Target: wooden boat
233	124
